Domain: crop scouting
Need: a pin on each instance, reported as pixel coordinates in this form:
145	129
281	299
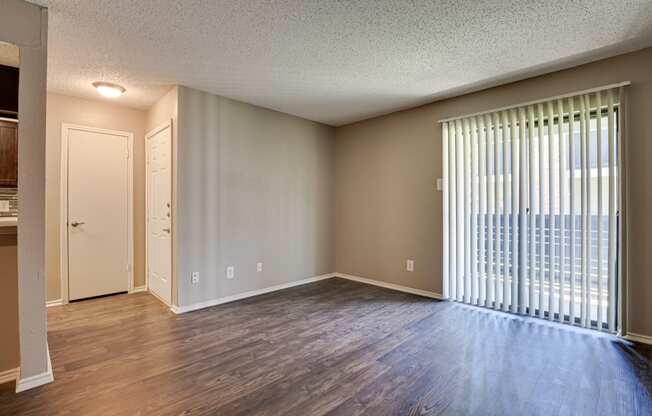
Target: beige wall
9	346
64	109
25	25
253	185
387	208
164	110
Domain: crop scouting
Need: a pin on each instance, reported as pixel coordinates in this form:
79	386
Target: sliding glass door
531	209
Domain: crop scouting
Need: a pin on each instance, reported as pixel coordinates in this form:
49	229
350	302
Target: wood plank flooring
334	347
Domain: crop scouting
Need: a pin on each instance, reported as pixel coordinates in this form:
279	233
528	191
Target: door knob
76	224
167	230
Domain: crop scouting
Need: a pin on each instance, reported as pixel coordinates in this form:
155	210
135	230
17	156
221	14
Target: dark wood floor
330	348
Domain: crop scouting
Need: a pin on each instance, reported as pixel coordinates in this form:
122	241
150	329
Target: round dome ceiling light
108	89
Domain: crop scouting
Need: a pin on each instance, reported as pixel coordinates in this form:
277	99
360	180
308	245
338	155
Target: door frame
149	135
63	208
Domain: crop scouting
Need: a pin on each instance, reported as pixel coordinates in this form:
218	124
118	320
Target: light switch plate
259	266
409	265
4	206
230	272
440	184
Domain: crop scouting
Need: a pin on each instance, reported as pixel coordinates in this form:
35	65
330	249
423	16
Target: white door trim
150	134
63	208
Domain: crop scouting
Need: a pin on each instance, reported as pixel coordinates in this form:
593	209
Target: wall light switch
440	184
409	265
230	272
195	277
259	266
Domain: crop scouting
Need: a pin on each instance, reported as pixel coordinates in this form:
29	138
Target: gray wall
25	25
388	209
253	185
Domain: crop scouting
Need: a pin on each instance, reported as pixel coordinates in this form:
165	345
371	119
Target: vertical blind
531	209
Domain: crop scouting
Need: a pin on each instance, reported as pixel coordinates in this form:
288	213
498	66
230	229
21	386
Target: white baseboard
391	286
137	289
9	375
56	302
160	299
23	384
244	295
643	339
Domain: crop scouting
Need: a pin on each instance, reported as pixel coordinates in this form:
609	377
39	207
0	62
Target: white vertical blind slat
506	211
459	164
531	217
551	213
562	210
498	196
474	211
584	257
445	209
467	211
589	211
523	194
573	223
452	212
611	257
491	193
515	158
540	213
598	100
482	162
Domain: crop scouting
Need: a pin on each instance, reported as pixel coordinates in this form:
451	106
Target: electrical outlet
259	266
230	272
409	265
195	278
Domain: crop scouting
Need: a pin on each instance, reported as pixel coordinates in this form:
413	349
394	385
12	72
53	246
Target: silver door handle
76	224
167	230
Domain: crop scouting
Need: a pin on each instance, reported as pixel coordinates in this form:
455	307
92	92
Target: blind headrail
543	100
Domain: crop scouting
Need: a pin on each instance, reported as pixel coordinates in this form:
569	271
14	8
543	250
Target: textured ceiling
325	60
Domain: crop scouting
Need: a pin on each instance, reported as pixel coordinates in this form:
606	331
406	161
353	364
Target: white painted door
159	221
98	212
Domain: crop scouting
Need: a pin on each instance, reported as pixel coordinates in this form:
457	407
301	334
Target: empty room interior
325	207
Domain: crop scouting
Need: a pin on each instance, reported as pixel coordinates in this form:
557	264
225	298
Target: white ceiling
331	61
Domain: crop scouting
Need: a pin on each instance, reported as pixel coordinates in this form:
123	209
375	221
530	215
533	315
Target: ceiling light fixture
108	89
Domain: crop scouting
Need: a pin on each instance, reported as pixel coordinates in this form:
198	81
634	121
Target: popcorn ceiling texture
330	61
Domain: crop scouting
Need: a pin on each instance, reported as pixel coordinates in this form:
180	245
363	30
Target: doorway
159	212
96	212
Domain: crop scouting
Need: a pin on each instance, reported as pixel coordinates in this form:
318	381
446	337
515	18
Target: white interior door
98	212
159	221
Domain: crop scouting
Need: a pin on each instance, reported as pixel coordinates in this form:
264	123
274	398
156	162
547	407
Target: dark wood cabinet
8	154
9	91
